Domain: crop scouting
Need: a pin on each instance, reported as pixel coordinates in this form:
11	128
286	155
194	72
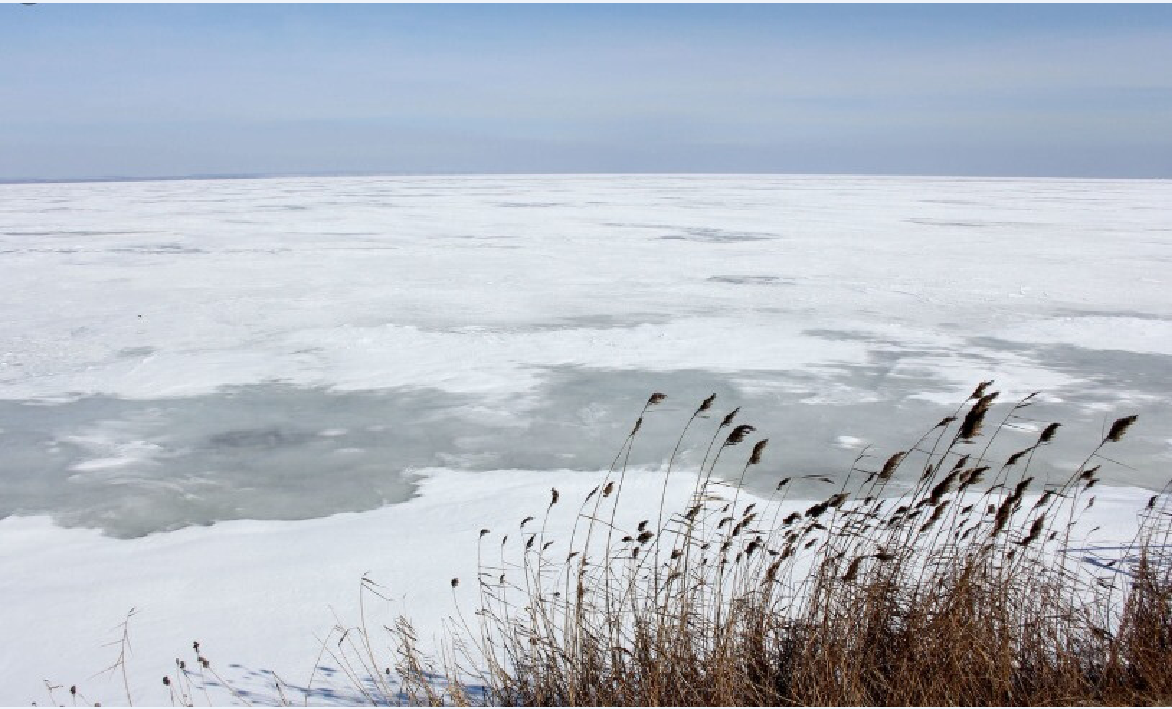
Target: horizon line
211	177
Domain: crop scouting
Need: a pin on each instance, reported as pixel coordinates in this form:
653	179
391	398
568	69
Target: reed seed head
890	466
738	434
755	457
971	425
728	418
817	510
941	488
973	476
1035	530
1119	428
1048	433
1017	456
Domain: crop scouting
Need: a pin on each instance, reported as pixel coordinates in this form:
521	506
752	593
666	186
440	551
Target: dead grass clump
907	583
910	589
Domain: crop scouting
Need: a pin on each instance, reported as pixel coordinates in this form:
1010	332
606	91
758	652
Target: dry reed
909	589
909	586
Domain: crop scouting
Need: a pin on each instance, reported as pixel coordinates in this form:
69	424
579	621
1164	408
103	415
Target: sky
95	91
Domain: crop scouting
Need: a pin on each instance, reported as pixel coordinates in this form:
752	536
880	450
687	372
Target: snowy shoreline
260	596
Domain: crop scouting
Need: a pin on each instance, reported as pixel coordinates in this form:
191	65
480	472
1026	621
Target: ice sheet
185	343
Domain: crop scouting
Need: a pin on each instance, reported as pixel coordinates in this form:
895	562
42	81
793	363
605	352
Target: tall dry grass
936	575
953	588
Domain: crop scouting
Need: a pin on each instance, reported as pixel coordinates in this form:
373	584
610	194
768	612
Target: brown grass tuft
910	588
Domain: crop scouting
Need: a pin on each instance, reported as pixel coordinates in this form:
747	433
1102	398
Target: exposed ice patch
719	236
752	280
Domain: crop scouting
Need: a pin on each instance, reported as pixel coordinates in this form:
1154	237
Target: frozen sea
182	353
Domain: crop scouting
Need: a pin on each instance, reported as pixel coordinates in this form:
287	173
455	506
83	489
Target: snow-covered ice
181	353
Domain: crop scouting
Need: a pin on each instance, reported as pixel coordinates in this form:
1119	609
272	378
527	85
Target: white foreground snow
263	595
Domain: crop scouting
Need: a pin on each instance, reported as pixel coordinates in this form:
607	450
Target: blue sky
164	90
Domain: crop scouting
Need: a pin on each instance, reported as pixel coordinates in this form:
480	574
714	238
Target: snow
262	596
344	375
1130	334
